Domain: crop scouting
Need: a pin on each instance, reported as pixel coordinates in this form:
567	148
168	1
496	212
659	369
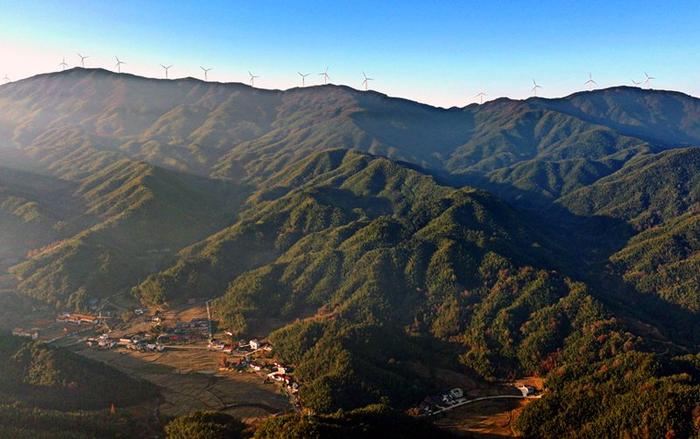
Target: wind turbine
590	81
325	76
63	64
206	71
303	77
648	79
6	78
252	78
480	95
636	83
366	81
119	64
82	60
535	87
166	68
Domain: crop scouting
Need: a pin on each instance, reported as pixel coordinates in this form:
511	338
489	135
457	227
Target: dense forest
47	392
373	240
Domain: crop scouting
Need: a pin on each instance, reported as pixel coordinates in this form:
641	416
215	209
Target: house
79	319
457	393
217	345
28	333
526	390
254	344
281	377
155	347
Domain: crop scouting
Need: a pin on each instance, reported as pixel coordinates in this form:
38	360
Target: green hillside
235	131
646	191
35	210
665	260
52	393
145	215
366	267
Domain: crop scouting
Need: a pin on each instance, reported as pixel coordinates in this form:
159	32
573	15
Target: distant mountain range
369	233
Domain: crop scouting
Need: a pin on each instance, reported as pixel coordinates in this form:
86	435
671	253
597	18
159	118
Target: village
183	350
159	331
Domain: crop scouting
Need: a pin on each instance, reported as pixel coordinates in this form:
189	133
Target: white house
526	390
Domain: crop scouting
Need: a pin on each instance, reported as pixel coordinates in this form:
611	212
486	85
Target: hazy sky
441	53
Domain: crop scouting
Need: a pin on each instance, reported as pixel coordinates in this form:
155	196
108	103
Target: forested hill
377	240
235	131
49	392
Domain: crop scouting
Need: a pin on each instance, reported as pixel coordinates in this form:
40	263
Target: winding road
482	398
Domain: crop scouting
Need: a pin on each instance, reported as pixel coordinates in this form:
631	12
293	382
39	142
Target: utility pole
211	336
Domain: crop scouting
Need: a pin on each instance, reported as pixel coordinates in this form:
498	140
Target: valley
385	249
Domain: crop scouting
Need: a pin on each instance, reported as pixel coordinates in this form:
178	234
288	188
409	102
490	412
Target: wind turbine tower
535	87
366	81
481	96
325	76
303	78
63	64
166	68
82	60
648	79
252	78
6	78
206	71
119	64
590	83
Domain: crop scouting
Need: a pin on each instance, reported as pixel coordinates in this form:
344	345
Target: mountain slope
144	215
665	260
647	191
34	211
246	134
48	392
364	266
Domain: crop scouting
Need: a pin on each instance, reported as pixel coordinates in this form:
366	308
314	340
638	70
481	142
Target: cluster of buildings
243	347
273	371
137	342
142	342
102	342
80	319
441	402
281	374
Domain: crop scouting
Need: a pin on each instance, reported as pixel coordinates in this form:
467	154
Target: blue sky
441	53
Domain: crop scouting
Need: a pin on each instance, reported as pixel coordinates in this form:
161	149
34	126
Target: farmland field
188	380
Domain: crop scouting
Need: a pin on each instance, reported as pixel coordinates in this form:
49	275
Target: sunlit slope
144	216
538	147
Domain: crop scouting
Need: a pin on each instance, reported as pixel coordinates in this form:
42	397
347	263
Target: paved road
483	398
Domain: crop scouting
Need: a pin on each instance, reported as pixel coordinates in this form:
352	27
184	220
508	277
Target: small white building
456	393
526	390
254	344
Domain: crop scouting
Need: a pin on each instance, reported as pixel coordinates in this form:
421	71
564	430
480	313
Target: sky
438	52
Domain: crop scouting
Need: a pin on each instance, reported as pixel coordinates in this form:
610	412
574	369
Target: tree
205	425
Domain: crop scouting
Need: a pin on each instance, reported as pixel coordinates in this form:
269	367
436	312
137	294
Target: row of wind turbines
590	83
118	65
